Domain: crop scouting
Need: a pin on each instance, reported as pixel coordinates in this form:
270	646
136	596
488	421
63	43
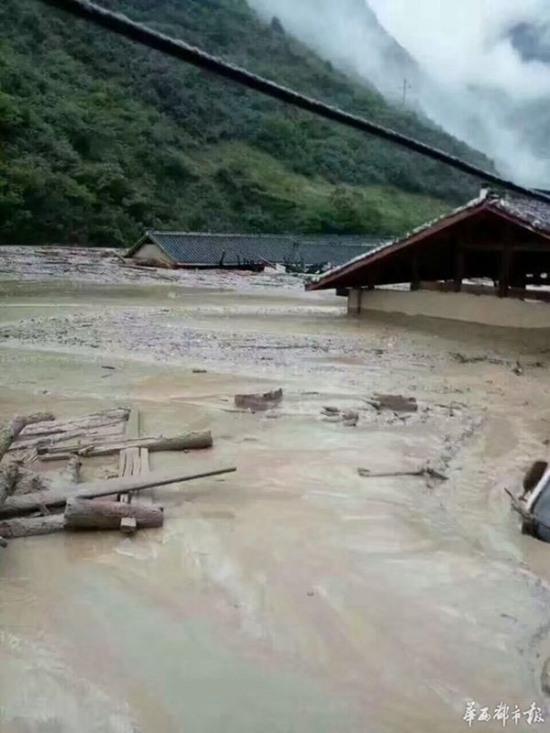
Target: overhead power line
122	25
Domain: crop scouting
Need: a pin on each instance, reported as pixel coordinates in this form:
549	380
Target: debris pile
349	418
31	501
259	402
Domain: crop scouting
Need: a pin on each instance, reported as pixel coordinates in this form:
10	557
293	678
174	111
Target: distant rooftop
216	250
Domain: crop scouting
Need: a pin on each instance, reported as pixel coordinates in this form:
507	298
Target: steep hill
101	138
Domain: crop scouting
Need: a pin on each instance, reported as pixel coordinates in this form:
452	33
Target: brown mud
293	595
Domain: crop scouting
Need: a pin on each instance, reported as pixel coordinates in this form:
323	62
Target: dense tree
101	138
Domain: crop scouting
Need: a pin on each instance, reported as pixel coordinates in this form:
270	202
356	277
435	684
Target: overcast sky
462	41
474	83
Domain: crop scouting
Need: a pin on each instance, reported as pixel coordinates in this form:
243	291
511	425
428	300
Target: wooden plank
144	461
15	505
130	456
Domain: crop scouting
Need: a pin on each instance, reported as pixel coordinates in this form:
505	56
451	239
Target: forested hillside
101	138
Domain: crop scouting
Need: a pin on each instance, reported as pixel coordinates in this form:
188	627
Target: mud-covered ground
293	595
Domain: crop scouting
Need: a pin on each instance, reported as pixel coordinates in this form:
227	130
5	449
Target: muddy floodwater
293	595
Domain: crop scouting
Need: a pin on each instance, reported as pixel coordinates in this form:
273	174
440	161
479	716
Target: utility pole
406	87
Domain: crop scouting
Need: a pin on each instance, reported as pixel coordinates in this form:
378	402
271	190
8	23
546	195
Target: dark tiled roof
240	249
534	213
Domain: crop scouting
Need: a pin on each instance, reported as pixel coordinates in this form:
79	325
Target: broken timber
16	505
426	471
187	441
259	402
10	433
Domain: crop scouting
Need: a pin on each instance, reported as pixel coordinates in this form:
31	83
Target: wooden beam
492	247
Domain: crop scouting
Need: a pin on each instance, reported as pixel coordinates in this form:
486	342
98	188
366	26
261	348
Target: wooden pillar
506	255
415	276
460	262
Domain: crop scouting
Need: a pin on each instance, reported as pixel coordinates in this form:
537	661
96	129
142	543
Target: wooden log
31	526
187	441
16	505
79	437
81	514
367	473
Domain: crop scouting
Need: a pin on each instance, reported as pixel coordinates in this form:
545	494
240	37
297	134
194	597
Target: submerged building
247	251
493	246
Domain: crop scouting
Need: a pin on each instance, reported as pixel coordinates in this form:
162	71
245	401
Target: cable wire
123	26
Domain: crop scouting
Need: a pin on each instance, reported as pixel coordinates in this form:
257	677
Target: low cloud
479	68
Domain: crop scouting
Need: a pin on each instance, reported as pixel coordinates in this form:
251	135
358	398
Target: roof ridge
216	234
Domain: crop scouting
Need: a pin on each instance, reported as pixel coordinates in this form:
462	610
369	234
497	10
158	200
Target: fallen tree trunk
82	514
10	432
79	437
15	505
88	422
31	526
187	441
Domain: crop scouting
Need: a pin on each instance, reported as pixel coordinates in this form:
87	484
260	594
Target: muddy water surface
292	595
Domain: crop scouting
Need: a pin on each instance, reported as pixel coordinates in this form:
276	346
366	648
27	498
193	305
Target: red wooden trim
438	227
370	258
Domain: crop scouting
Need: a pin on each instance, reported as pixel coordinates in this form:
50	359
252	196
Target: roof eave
134	248
330	280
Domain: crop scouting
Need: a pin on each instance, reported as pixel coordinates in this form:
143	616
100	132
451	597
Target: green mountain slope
100	138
